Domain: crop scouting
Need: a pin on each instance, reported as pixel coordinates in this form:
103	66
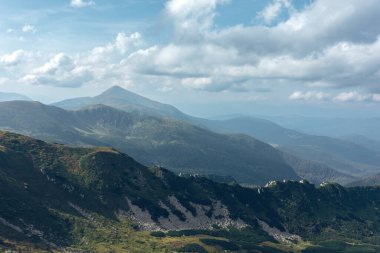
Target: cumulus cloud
337	51
27	28
197	82
14	58
81	3
345	97
120	45
331	45
103	64
273	10
191	19
352	96
61	71
309	95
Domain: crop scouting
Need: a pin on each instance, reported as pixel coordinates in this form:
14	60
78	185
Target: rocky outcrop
281	236
206	217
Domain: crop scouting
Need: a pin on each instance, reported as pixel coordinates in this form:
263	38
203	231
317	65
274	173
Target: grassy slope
38	181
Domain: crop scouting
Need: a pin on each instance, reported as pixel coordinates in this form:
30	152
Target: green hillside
55	198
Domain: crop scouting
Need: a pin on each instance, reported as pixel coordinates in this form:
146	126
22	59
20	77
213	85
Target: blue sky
207	57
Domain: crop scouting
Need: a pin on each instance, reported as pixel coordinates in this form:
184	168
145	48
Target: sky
207	57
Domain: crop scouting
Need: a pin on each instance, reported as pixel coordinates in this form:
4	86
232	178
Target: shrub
193	248
159	234
221	243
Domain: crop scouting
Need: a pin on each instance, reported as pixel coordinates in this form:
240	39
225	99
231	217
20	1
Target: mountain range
343	158
336	127
373	180
345	155
55	198
125	100
174	144
5	96
156	133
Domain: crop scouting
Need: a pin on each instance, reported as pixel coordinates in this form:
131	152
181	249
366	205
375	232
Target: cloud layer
329	44
330	47
347	96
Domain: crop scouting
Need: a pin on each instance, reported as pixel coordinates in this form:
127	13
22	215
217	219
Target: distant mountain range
343	155
373	180
363	141
174	144
4	96
331	126
122	99
55	198
156	133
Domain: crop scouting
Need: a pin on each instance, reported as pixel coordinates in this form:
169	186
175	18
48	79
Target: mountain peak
115	91
123	99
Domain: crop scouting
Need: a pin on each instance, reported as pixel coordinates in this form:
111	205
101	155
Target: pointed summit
120	98
115	91
116	96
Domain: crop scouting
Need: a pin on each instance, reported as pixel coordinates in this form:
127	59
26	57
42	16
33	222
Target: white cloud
323	24
61	71
376	97
121	45
191	18
344	97
273	10
331	44
81	3
337	51
14	58
3	80
27	28
197	83
100	65
309	95
352	96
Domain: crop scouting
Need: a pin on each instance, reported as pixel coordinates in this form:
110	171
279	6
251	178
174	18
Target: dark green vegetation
54	197
193	247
